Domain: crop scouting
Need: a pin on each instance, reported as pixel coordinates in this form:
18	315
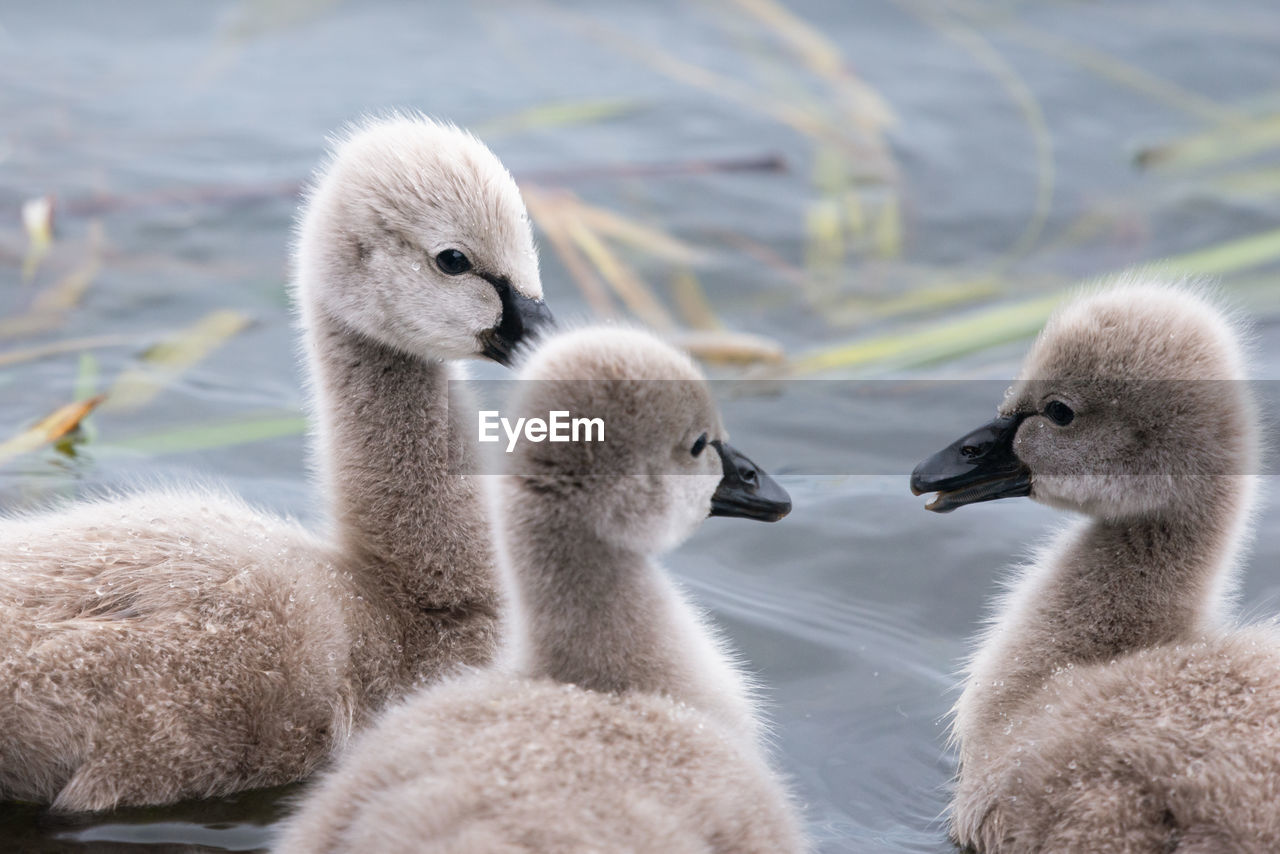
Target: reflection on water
237	823
908	210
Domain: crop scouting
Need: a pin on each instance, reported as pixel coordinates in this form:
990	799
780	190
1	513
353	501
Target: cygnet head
415	235
664	464
1132	396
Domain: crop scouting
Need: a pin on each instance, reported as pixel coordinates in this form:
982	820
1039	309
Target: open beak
980	467
745	490
521	318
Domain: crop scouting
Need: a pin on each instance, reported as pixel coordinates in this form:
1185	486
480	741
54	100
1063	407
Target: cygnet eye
452	262
699	445
1059	413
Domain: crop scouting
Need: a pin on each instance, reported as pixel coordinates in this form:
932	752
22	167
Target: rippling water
975	155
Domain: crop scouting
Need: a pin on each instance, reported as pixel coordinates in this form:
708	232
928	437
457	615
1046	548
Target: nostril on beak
970	451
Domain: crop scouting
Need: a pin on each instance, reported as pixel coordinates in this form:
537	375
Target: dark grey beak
521	318
980	467
746	491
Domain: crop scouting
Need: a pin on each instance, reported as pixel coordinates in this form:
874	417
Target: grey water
1013	139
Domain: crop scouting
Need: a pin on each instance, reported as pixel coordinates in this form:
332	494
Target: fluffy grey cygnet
619	723
1113	705
182	644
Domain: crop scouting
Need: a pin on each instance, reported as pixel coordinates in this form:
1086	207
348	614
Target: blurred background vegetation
790	189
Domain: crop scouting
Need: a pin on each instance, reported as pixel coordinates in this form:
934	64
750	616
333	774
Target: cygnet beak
980	467
745	490
522	318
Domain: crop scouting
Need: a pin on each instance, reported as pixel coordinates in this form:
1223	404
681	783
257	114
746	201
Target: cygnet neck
1107	588
608	618
389	449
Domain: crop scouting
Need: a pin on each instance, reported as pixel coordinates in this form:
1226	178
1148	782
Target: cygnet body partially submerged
1112	706
181	644
618	722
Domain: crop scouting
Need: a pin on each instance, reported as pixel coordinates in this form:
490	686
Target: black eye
1059	413
699	445
452	262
